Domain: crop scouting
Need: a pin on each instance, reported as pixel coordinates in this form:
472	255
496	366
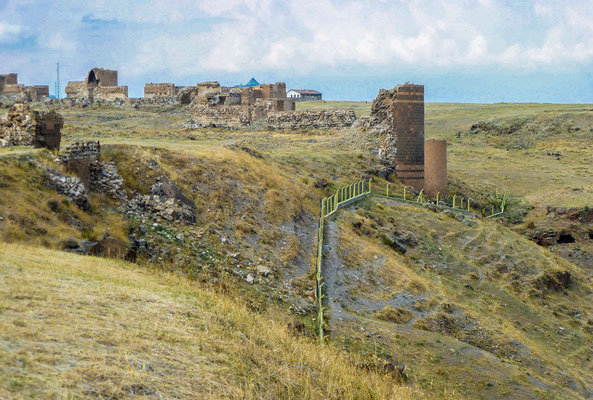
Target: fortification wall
435	167
79	157
152	90
309	119
408	123
76	89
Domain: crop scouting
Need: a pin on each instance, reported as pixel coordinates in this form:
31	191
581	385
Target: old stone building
10	88
100	84
25	127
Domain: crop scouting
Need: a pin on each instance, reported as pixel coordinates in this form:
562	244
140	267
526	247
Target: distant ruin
160	90
100	84
12	90
231	107
25	127
397	117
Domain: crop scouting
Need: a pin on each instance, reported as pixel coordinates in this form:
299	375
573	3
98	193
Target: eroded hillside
467	304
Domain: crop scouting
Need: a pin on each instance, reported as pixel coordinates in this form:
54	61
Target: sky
480	51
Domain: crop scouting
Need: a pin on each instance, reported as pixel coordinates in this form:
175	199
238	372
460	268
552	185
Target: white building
303	94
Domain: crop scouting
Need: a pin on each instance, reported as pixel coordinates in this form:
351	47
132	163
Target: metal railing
329	205
357	191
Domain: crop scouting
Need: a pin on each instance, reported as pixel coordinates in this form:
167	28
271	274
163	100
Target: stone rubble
165	202
70	186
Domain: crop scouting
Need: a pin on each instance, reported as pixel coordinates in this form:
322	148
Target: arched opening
92	80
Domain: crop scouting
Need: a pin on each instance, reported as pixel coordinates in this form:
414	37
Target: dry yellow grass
84	327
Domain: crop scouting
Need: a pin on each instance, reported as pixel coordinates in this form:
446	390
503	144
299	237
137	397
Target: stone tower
435	167
408	123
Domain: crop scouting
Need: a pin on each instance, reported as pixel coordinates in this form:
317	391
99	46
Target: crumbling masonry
99	84
12	90
25	127
397	116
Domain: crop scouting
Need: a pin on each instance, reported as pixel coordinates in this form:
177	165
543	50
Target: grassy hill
471	309
74	327
481	310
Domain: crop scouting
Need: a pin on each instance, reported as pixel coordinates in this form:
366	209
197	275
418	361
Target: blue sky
461	50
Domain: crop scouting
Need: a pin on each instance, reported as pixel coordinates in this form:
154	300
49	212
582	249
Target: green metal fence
329	205
359	190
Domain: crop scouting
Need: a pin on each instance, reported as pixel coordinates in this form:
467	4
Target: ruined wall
110	93
408	123
311	119
233	117
36	92
152	90
101	77
270	90
100	84
10	79
435	167
79	157
25	127
76	89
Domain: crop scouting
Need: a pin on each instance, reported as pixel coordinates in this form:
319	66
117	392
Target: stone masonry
408	123
397	117
11	89
26	127
435	167
100	83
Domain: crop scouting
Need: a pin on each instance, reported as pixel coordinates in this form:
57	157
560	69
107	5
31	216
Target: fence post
468	205
370	184
405	187
420	198
438	198
461	202
454	197
387	189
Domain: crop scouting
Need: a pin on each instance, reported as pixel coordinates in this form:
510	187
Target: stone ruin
83	159
265	106
100	84
160	90
25	127
10	89
397	117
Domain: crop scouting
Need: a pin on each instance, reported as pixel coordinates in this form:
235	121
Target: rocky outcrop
26	127
311	119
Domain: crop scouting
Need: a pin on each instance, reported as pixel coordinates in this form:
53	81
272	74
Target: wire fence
359	190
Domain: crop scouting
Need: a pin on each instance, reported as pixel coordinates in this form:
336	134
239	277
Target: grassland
488	305
498	294
83	327
522	162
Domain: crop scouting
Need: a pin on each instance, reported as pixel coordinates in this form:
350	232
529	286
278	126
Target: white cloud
9	32
189	37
